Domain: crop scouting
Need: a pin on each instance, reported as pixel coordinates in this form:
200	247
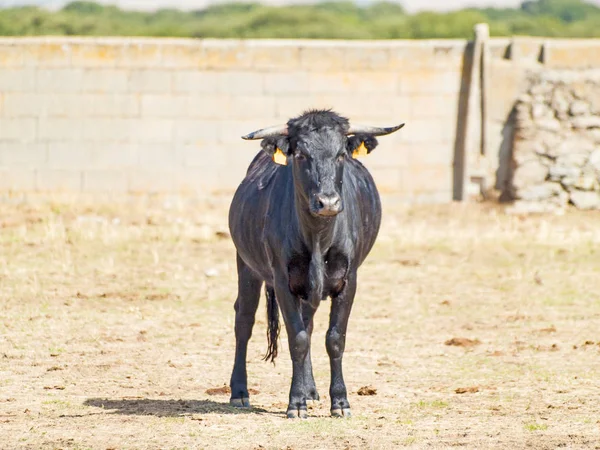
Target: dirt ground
471	328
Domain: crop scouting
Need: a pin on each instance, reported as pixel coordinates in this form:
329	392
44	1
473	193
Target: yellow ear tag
279	157
360	151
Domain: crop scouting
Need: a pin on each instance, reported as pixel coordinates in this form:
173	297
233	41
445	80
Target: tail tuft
273	325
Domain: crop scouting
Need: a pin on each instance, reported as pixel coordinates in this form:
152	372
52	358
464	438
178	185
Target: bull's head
319	143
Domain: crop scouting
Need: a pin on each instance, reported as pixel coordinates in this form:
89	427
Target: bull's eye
341	157
299	156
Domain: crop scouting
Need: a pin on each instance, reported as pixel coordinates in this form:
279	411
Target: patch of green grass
174	419
533	426
435	404
405	422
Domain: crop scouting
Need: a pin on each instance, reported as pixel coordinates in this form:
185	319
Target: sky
410	5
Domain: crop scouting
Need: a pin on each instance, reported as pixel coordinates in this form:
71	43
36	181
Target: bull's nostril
320	204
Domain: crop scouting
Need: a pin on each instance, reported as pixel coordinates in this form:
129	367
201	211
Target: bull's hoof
297	414
344	412
240	402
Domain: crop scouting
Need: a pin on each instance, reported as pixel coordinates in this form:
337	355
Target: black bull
303	220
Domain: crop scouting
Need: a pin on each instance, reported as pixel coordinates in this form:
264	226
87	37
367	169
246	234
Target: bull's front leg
310	386
341	305
299	343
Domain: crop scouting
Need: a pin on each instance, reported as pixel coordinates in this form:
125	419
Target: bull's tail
273	325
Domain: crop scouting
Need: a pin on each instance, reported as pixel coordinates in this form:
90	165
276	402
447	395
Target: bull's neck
317	234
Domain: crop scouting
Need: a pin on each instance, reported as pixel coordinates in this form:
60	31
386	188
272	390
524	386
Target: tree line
326	20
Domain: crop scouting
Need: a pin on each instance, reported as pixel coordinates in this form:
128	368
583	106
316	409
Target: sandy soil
471	328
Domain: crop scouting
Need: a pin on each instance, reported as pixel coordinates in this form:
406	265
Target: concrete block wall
166	115
120	115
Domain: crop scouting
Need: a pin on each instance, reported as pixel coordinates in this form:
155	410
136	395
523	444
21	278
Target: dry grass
472	328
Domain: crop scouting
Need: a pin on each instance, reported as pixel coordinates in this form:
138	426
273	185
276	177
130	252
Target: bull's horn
375	131
279	130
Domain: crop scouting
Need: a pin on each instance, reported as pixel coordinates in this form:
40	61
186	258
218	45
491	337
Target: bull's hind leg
245	310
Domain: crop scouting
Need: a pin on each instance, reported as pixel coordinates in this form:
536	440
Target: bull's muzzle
327	205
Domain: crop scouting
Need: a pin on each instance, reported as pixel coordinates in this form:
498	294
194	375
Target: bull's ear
361	145
276	148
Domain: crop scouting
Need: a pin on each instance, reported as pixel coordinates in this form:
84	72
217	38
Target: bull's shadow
167	408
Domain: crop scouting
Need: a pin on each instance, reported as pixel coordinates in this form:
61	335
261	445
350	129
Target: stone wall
166	115
556	152
116	115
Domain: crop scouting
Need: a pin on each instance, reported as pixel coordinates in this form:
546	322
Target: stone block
286	83
105	181
241	83
29	155
17	80
353	83
573	55
114	155
428	81
160	105
106	128
248	107
17	129
59	180
59	129
274	55
59	80
424	106
532	172
188	131
105	80
193	81
585	199
11	55
157	157
182	55
22	104
429	131
365	57
150	81
414	55
322	57
208	106
108	105
151	130
49	54
94	54
69	155
140	54
226	54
